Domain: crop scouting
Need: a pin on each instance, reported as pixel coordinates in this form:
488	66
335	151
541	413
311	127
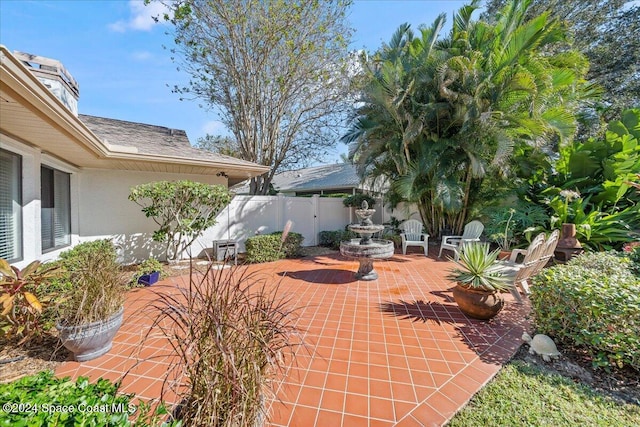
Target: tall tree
220	144
277	71
608	33
438	114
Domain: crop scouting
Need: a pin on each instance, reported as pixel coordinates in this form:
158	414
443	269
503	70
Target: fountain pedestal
366	250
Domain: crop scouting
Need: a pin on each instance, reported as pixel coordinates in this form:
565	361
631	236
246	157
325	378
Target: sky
115	52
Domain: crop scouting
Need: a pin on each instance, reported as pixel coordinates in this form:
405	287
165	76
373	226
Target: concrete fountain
366	249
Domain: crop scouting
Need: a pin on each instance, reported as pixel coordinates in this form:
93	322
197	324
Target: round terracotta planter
478	304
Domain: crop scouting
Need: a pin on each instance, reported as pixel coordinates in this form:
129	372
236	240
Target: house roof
340	176
33	115
152	139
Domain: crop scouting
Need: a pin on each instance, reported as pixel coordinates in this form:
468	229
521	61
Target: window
10	206
55	208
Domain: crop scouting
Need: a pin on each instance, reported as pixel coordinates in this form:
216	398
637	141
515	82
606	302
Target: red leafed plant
20	308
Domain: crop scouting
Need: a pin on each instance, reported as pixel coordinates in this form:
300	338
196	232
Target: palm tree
438	114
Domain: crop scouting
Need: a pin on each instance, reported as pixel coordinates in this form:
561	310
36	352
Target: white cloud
118	27
141	56
141	18
214	127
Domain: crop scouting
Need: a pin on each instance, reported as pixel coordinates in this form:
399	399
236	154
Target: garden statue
541	345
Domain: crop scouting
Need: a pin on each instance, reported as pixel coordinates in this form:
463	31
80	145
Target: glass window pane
55	208
10	206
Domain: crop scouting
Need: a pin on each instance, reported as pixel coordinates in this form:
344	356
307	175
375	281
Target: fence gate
301	211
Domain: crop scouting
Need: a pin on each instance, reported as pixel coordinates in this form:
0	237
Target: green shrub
395	238
356	200
605	263
43	400
292	243
264	248
593	302
269	247
332	239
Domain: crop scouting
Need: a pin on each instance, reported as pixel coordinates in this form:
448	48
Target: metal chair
471	233
412	235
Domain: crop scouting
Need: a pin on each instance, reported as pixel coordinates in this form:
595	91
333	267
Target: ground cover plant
44	400
525	394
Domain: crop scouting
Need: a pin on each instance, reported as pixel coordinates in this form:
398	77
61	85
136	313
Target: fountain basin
365	254
369	229
377	249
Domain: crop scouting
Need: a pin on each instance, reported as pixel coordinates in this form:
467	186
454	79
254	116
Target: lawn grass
523	395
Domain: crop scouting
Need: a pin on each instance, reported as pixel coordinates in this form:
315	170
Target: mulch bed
621	384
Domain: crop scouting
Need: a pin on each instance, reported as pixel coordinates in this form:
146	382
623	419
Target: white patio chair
520	273
471	233
547	253
412	235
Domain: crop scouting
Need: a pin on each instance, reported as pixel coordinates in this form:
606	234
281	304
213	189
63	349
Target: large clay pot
478	304
568	237
92	340
504	255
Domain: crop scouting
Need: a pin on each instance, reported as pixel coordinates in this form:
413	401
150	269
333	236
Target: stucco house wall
100	159
106	212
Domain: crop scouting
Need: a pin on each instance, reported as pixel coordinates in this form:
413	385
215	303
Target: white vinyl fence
248	216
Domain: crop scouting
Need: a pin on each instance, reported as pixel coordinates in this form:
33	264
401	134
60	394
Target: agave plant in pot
479	281
92	313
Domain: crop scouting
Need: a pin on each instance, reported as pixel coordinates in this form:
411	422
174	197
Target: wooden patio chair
412	235
471	233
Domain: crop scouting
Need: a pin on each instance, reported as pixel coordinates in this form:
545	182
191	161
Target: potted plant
149	272
92	313
510	226
501	234
479	281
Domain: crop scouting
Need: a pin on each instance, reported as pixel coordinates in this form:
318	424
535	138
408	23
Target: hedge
269	247
592	302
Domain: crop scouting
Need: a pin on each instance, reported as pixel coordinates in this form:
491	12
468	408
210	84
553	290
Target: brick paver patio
396	351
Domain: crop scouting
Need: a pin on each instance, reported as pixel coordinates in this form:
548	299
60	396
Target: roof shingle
152	139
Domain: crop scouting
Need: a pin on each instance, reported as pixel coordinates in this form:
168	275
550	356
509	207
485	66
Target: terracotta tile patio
391	352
